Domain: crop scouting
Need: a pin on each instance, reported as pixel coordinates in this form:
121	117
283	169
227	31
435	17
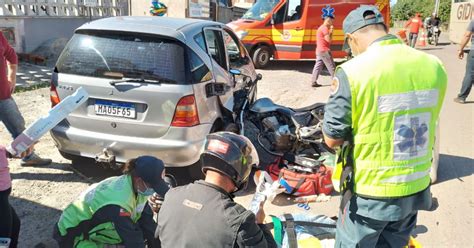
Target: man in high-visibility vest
383	111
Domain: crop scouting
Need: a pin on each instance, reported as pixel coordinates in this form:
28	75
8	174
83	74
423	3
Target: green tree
404	9
444	11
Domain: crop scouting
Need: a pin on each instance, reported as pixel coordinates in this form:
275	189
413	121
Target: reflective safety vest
397	93
112	191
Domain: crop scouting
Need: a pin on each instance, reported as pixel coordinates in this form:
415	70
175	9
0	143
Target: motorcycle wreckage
294	134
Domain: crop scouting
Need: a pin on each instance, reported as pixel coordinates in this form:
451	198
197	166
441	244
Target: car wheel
435	157
186	175
69	156
261	56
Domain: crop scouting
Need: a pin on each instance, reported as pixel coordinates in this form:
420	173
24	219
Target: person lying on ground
115	210
204	214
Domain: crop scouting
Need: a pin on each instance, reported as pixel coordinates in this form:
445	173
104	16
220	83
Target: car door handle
299	28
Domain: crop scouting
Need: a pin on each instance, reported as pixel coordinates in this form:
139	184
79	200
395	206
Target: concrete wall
32	32
139	7
39	30
243	3
226	15
176	8
18	28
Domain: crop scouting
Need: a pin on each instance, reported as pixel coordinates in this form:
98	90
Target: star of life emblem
411	136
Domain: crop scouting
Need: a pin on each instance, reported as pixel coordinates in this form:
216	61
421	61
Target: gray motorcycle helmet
230	154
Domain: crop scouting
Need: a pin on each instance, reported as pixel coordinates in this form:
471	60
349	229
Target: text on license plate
119	109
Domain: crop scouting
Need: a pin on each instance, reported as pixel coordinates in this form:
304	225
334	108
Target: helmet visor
249	158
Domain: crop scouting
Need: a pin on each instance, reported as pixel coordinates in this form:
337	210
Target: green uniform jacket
112	191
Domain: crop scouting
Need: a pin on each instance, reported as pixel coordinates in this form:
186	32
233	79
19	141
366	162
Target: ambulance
286	29
462	12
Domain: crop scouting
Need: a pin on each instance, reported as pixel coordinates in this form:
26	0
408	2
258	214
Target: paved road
451	225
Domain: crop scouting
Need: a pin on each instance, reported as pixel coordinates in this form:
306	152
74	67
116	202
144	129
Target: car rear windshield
123	55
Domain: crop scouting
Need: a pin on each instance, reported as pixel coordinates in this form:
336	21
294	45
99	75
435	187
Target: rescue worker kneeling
115	210
203	214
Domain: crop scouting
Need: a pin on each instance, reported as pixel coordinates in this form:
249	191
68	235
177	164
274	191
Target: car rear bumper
179	147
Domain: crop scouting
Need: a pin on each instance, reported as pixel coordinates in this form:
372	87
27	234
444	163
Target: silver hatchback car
157	86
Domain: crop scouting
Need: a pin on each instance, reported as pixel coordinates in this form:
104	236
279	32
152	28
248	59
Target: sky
392	2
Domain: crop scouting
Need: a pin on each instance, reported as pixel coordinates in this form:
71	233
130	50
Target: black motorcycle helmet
230	154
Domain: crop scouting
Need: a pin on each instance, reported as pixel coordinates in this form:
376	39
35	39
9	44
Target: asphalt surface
451	225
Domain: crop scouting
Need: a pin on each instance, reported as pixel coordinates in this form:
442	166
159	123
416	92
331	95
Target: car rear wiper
134	80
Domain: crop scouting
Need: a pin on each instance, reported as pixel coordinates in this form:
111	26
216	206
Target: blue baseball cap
358	19
150	170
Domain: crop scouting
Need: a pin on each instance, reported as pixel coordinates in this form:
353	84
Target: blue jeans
468	77
11	117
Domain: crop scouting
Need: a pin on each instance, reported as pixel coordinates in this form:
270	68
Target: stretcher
41	126
306	231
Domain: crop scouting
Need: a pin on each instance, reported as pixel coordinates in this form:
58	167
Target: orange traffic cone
403	36
422	41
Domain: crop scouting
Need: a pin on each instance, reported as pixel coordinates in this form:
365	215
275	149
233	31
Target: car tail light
53	95
186	114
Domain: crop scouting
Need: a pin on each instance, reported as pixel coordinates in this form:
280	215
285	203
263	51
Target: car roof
165	26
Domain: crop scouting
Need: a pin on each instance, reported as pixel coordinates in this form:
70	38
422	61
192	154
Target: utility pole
436	10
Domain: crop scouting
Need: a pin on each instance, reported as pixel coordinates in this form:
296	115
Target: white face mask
147	191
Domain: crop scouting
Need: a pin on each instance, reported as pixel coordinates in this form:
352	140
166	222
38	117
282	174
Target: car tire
186	175
435	157
252	132
69	156
261	57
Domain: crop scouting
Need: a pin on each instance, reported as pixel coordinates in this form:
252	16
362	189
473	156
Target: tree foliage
405	9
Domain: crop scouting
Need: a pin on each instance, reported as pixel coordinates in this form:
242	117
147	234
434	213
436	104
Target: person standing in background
468	76
9	113
323	50
415	24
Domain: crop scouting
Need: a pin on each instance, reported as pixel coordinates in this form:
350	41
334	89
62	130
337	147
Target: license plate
118	109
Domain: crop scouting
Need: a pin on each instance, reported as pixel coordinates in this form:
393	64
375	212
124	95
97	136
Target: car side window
215	46
199	39
235	51
199	71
